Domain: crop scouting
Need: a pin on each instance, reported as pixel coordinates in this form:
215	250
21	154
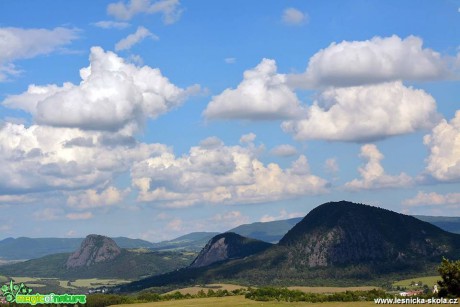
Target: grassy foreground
231	301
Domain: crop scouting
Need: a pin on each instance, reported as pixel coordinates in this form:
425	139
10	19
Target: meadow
428	280
232	301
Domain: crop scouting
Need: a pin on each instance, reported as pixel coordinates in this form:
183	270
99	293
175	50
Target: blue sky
152	119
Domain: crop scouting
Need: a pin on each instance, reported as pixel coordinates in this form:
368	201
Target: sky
156	118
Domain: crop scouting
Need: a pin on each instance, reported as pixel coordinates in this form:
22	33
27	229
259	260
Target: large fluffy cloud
372	61
19	43
365	113
113	95
443	163
40	158
215	173
263	94
170	9
373	175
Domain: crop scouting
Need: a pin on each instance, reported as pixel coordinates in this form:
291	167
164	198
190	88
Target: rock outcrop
227	246
94	249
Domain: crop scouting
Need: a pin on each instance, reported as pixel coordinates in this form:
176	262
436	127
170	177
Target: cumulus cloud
294	17
262	95
19	43
331	165
170	9
284	150
229	219
365	113
221	174
108	24
48	214
175	225
132	39
92	198
248	138
113	95
443	163
372	61
42	158
433	199
283	215
79	216
373	175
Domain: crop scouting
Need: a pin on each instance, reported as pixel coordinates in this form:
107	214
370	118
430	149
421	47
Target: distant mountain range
337	242
30	248
100	257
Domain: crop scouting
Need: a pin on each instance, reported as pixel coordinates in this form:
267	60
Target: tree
450	274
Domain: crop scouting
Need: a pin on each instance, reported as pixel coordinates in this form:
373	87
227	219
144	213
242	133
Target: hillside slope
337	243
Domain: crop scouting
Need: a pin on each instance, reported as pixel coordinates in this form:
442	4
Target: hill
100	257
23	248
94	249
228	246
266	231
337	243
451	224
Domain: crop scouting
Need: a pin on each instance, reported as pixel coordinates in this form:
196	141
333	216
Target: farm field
241	301
62	285
427	280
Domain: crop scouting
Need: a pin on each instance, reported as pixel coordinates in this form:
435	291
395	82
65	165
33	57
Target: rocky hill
94	249
227	246
337	243
340	233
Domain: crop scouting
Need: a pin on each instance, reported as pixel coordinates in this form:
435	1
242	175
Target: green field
427	280
230	287
96	282
231	301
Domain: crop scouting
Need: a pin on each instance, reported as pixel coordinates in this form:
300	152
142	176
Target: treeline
284	294
101	300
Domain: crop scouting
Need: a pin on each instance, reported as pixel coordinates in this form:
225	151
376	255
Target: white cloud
229	219
132	39
174	225
108	24
79	216
91	198
71	233
331	165
284	150
433	199
262	95
373	175
170	9
48	214
221	174
248	138
230	60
365	113
113	95
282	216
41	158
372	61
294	17
443	163
19	43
